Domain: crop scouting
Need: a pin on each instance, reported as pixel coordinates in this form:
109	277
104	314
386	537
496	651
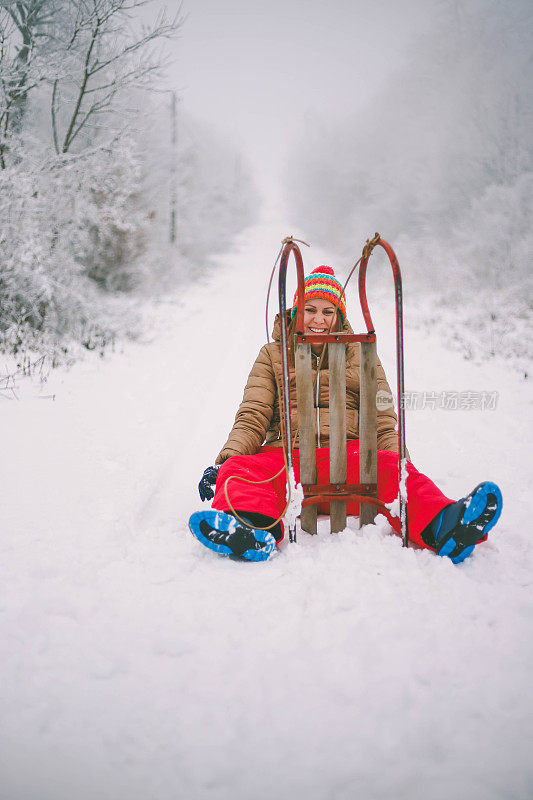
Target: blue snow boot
457	529
224	534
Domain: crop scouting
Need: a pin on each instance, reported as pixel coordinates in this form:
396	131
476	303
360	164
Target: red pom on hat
324	270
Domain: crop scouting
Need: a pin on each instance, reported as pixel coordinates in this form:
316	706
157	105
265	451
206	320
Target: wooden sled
338	492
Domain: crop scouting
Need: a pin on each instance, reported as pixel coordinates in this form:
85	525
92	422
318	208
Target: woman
254	453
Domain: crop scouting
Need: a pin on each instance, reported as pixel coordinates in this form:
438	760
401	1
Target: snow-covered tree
84	184
26	51
103	58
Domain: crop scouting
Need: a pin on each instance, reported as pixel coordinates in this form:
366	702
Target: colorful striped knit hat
323	284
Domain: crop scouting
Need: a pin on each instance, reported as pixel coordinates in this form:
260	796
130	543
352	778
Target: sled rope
282	422
266	480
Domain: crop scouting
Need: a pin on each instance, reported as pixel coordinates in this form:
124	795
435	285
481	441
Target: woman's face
319	316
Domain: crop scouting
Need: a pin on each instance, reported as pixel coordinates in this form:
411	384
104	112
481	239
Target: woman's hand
209	478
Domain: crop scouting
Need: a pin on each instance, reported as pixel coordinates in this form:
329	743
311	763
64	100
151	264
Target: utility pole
173	169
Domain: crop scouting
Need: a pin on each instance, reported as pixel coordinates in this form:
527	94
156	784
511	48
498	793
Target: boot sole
225	523
480	500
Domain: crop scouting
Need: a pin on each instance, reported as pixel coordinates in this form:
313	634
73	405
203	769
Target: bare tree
103	56
24	44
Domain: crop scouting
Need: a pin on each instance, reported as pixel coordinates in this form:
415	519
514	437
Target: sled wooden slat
306	429
368	468
337	433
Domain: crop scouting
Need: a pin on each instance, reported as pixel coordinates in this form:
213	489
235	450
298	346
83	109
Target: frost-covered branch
21	69
105	61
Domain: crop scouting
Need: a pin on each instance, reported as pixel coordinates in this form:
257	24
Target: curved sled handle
367	250
289	246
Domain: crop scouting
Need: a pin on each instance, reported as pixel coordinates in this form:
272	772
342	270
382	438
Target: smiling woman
250	471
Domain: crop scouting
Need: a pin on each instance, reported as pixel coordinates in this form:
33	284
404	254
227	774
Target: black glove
209	478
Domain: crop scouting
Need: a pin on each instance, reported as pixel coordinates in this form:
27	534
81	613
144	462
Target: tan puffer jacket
258	419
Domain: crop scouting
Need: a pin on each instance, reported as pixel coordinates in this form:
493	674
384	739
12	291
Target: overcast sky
262	71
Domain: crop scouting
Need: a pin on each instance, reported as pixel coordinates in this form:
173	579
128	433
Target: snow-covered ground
137	665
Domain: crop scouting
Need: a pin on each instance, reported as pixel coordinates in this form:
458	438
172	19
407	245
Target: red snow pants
424	499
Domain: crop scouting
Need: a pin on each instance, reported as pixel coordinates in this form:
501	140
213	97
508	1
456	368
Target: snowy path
135	665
